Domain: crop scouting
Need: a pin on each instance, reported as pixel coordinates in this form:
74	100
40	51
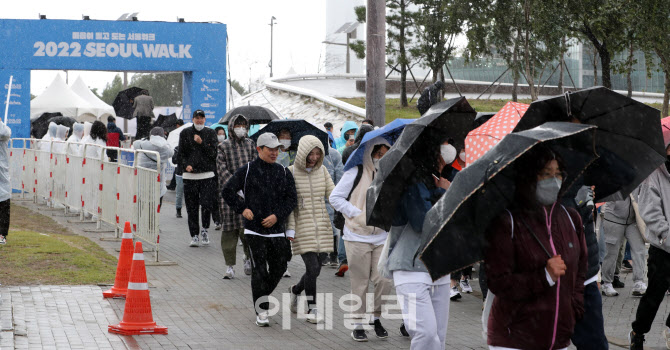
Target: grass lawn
40	251
394	111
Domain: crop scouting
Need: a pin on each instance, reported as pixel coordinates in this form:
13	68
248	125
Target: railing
81	179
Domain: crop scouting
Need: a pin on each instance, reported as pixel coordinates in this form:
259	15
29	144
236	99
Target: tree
165	88
112	89
238	87
654	32
95	92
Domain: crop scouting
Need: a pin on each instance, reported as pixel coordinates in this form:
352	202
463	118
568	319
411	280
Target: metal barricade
148	198
91	176
108	189
59	172
126	194
16	163
43	175
28	178
73	182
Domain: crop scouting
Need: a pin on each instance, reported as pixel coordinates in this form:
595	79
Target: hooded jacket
232	153
113	129
61	135
654	205
340	142
309	222
621	212
268	189
200	156
525	306
157	144
353	210
357	142
45	144
74	148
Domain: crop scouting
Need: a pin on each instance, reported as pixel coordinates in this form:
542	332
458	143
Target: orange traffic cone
123	267
137	318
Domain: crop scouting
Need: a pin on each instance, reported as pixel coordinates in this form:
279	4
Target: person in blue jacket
347	136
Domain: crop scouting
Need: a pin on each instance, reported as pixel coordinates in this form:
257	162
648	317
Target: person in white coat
61	136
98	137
156	143
5	184
45	142
74	141
364	244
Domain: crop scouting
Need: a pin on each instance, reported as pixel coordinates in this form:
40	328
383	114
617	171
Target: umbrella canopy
123	103
483	117
482	139
298	129
254	114
665	126
390	132
629	138
451	118
455	227
167	122
40	126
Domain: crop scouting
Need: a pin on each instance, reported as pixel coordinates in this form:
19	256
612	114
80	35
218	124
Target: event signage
197	49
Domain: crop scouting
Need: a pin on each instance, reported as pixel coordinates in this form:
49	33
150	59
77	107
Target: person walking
654	205
233	153
333	163
348	134
197	156
114	138
179	183
538	298
364	243
143	106
365	128
269	197
309	227
429	97
286	153
5	183
156	143
427	324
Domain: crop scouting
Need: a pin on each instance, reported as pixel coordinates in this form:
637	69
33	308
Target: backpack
338	218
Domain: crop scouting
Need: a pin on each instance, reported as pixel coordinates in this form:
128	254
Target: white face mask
547	190
199	126
462	156
240	131
285	143
448	153
221	138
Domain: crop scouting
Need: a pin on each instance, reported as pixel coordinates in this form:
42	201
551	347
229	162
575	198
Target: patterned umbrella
665	126
482	139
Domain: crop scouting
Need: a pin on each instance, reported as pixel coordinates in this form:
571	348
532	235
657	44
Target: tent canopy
100	108
58	97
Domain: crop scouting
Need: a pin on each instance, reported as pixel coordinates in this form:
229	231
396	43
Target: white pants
425	310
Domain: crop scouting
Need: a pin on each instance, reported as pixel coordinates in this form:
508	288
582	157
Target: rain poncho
45	144
61	134
87	128
341	143
93	152
157	144
73	141
286	159
5	184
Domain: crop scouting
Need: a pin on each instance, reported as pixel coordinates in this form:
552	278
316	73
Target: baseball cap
268	139
199	113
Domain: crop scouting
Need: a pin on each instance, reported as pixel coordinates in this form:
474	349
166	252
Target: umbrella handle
568	104
536	238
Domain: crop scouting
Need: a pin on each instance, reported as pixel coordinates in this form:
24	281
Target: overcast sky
298	34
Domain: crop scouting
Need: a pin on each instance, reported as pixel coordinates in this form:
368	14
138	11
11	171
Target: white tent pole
9	93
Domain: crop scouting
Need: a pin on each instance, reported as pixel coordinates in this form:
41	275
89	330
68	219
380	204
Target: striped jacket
232	154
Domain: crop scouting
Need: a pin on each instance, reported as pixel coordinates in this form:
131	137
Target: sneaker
617	283
247	266
465	286
608	290
230	273
359	335
262	319
380	331
179	213
455	294
666	337
636	340
626	266
293	304
325	261
205	237
314	317
342	269
195	242
403	331
286	273
3	240
217	227
639	288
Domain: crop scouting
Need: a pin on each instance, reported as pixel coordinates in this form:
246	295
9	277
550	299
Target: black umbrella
254	114
629	138
123	103
167	122
40	126
451	118
483	117
455	227
298	129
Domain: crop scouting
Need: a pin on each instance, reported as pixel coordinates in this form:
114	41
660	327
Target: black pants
4	218
658	274
589	332
308	280
199	195
332	255
269	257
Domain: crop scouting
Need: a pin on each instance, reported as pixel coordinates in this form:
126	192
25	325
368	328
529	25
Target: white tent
58	97
101	109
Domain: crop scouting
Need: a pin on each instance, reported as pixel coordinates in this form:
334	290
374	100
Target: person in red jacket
536	261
